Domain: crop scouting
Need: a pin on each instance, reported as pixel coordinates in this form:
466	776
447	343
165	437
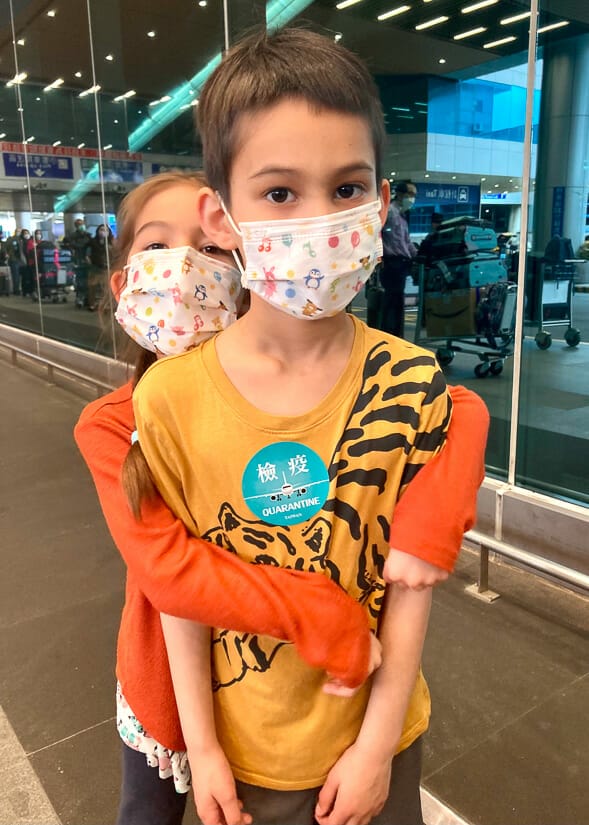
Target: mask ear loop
237	230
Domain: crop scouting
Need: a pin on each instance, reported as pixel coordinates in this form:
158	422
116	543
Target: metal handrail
52	367
536	563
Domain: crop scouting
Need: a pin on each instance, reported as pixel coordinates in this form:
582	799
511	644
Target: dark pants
393	274
145	798
27	280
148	800
15	272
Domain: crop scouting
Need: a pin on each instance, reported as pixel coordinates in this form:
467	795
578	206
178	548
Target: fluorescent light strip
430	23
54	85
499	42
553	26
515	18
392	13
125	96
470	33
345	3
482	4
92	90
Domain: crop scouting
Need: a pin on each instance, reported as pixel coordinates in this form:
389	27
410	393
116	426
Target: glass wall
85	121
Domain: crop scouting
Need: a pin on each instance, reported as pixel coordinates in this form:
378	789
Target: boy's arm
196	580
358	784
439	504
189	654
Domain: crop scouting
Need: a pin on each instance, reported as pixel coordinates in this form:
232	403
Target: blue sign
557	223
495	196
430	194
115	171
40	166
285	483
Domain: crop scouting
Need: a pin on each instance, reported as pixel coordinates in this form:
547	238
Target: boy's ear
118	281
385	198
213	220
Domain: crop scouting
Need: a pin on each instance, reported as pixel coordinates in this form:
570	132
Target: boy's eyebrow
350	168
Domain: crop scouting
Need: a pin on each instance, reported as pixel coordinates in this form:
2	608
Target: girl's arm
194	579
439	504
189	654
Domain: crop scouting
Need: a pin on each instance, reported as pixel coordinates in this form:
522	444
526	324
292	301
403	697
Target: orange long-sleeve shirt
169	571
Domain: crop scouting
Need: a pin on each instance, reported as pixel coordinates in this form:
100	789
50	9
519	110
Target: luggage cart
465	303
554	298
56	275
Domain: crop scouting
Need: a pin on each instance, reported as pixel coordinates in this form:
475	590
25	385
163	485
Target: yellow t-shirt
310	492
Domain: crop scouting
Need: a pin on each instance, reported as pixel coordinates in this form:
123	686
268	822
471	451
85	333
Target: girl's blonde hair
137	479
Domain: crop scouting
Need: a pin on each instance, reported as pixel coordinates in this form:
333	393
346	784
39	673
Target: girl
167	570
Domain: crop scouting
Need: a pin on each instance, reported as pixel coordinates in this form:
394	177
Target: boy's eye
156	245
279	195
349	190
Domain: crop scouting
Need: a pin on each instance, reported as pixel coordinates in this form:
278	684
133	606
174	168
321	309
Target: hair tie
134	437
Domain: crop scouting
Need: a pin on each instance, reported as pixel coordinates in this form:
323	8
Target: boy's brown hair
268	67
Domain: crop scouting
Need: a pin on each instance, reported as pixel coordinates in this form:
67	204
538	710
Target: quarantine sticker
285	483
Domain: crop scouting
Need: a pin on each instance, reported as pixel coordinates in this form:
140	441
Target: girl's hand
334	686
213	784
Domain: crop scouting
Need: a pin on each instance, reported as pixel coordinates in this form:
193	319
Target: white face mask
176	298
311	267
407	204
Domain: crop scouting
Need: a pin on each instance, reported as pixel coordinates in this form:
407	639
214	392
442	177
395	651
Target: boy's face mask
175	299
311	267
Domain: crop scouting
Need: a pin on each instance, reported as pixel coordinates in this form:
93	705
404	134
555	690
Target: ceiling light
442	60
499	42
37	99
400	109
345	3
482	4
515	18
81	145
54	85
429	23
51	13
470	33
337	37
392	13
426	175
107	147
78	74
56	143
30	139
483	180
202	3
453	177
110	57
2	135
18	78
553	26
165	98
125	96
21	41
151	33
115	121
92	90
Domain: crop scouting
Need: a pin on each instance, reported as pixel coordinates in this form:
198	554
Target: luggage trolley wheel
444	356
572	336
543	340
496	367
482	370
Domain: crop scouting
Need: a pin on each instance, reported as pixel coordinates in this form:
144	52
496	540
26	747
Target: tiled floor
510	680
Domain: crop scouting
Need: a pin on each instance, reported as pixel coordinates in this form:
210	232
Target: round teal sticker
285	483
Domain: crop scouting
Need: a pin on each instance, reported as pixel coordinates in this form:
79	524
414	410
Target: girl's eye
280	195
349	190
211	249
156	245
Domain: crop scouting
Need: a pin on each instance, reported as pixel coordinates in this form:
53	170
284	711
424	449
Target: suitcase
495	313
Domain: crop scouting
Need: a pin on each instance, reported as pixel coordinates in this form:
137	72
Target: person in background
27	262
13	251
397	258
78	242
426	246
583	251
100	254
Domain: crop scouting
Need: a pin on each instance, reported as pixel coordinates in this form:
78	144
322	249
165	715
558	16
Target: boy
309	426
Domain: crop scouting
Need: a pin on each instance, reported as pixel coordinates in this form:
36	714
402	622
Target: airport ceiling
52	39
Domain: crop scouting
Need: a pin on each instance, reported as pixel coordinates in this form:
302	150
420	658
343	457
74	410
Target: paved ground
510	680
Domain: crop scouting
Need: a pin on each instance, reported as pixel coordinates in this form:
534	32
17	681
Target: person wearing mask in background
27	262
100	253
397	258
13	251
79	242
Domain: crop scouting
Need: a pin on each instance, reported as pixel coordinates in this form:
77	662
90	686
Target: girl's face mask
311	267
175	299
